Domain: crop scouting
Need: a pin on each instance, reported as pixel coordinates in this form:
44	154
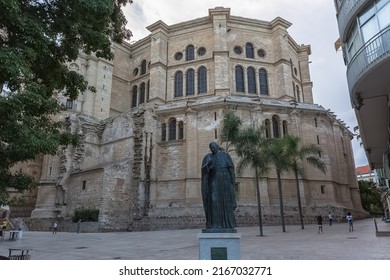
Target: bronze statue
218	181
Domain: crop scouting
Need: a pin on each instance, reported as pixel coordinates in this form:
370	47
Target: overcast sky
313	23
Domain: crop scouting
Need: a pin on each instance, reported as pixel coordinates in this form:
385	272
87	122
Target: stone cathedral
161	101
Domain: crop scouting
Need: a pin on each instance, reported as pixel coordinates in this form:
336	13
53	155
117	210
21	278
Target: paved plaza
335	243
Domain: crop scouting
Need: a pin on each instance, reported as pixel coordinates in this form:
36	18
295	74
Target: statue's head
213	147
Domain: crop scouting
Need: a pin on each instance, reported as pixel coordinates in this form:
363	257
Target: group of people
349	219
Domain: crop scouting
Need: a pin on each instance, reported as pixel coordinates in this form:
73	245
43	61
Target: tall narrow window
285	128
143	67
202	80
179	84
134	97
240	79
181	131
147	90
275	126
267	128
251	80
263	77
163	132
142	94
172	129
249	50
190	53
190	82
69	103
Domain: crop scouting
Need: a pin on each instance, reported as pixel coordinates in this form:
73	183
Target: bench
14	234
19	254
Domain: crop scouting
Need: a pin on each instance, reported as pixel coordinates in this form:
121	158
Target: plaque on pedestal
219	246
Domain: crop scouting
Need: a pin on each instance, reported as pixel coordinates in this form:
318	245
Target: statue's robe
218	194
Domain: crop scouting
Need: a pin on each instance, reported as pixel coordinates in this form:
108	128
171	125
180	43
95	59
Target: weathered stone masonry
160	103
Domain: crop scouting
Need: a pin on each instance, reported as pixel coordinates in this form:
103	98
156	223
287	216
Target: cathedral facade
161	101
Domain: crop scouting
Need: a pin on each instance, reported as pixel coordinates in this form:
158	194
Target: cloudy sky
313	23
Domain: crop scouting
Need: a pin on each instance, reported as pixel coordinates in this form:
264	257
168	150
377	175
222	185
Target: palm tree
248	143
297	155
250	147
230	130
278	155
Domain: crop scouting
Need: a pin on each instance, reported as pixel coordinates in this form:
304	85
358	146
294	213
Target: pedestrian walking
55	227
78	226
330	218
350	221
319	222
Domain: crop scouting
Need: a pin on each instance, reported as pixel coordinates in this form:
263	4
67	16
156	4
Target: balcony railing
346	10
373	52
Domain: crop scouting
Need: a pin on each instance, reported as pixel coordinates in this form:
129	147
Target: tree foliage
37	39
371	197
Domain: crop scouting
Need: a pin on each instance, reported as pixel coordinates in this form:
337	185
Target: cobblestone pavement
335	243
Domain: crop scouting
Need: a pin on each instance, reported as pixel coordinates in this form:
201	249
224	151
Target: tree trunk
299	200
281	201
259	204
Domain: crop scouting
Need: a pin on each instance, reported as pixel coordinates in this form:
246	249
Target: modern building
364	27
365	173
159	104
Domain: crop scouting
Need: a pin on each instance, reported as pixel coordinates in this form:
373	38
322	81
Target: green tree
251	148
298	154
371	197
278	154
230	130
248	143
37	39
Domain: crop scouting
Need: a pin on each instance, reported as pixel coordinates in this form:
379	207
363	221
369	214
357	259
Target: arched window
285	128
142	94
267	128
179	84
163	132
263	77
134	97
202	80
240	79
181	131
172	129
275	127
143	67
190	53
249	50
190	82
251	80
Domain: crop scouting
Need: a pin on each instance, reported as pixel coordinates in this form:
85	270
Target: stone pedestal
219	246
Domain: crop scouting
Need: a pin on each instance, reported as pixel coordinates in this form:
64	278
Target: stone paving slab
335	243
